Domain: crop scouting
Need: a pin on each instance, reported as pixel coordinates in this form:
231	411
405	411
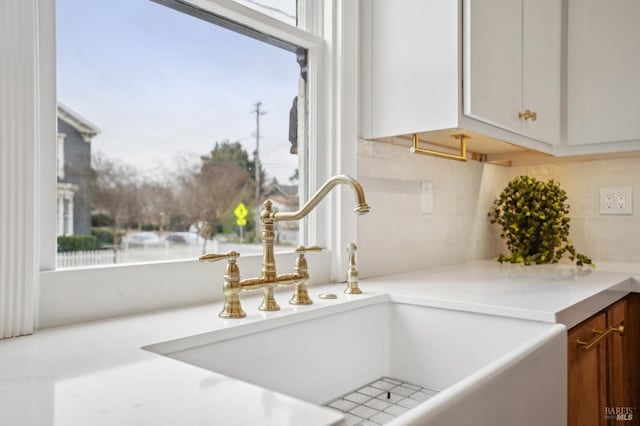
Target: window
192	120
54	297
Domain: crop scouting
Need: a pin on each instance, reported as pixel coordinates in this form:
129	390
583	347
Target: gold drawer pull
602	335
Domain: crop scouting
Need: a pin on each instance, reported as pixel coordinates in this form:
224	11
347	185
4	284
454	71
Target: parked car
141	239
187	238
175	239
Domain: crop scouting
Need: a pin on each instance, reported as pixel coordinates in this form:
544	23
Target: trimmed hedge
104	236
77	243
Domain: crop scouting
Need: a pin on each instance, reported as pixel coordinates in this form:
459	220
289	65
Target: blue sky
159	83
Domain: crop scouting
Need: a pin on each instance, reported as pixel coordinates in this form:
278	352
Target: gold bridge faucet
269	279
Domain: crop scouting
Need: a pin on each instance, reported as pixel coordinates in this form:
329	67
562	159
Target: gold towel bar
460	157
602	335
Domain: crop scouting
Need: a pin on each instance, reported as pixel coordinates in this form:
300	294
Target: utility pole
258	112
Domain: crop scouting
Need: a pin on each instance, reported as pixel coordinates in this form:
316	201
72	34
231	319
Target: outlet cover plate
616	200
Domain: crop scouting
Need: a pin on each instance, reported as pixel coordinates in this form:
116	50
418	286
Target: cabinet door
493	62
618	377
587	375
410	77
513	63
603	68
541	67
632	350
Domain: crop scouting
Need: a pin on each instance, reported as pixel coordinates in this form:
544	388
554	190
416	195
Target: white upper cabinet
444	67
603	74
494	70
410	66
512	66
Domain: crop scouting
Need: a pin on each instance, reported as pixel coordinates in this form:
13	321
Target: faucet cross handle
301	267
213	257
301	294
303	249
231	287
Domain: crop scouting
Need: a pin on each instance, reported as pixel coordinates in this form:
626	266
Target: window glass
282	10
163	118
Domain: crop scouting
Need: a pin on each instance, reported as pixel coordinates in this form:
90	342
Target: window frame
226	8
60	155
330	36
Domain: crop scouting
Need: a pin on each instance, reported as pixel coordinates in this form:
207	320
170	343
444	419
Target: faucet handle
231	287
301	294
214	257
303	249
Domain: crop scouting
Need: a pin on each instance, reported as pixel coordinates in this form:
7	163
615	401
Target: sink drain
380	401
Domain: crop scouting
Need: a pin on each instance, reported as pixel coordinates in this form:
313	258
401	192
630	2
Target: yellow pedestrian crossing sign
241	214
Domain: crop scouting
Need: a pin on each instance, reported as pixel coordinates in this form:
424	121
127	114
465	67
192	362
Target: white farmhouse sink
490	370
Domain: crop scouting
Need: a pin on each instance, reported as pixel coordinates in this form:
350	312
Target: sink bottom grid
380	401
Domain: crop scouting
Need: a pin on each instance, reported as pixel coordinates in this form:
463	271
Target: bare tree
157	203
201	191
114	191
207	193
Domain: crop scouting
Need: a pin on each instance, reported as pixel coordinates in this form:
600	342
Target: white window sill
77	295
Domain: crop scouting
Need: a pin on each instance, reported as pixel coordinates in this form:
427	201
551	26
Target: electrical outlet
621	200
608	201
617	200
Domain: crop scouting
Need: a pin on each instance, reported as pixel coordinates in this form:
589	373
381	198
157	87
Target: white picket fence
130	255
154	253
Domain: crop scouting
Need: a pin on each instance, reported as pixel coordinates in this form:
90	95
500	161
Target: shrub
77	243
532	215
104	237
101	219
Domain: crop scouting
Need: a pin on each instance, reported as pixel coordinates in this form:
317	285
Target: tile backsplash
397	237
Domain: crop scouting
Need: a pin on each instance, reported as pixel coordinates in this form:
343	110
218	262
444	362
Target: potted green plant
534	222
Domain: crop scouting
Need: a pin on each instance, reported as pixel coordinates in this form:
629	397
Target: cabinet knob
528	115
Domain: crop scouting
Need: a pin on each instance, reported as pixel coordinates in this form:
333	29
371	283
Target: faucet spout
269	278
361	203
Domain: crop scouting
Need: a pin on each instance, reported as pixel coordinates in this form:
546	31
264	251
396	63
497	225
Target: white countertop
96	374
560	293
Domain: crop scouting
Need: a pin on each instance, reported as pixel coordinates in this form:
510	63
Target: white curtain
19	133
